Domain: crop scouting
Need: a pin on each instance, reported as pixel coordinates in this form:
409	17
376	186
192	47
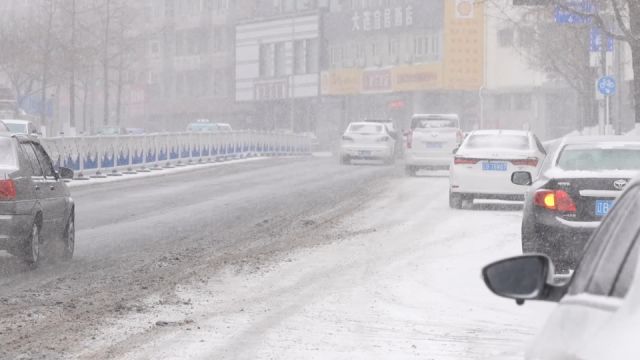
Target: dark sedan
578	185
36	208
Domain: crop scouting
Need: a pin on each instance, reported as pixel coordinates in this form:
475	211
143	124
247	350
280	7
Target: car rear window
434	123
498	141
580	157
365	128
8	155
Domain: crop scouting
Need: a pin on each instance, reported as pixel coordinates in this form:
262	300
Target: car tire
455	200
32	251
69	239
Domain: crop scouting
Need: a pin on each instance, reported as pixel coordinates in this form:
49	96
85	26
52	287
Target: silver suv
36	208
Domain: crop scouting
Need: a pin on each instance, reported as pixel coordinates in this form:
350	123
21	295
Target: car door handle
52	187
38	187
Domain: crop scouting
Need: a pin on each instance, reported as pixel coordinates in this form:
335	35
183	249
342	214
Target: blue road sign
607	85
564	15
595	41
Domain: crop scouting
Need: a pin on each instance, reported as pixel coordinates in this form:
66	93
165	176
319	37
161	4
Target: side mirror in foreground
523	278
523	178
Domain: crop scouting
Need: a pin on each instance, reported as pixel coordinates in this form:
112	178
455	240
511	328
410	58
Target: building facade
278	65
189	64
390	59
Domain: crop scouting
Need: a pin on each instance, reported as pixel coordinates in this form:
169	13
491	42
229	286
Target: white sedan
483	165
367	141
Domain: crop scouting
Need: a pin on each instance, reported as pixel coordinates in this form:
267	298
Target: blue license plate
603	207
433	145
494	166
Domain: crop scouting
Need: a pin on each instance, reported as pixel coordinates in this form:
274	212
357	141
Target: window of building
394	46
337	56
312	47
267	60
280	59
299	57
505	37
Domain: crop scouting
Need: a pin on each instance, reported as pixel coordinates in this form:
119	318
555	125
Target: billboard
460	66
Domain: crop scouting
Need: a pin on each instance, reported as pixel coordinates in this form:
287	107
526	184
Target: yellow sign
417	77
342	82
461	66
463	45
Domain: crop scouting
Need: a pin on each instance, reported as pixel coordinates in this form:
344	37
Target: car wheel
455	200
69	239
32	255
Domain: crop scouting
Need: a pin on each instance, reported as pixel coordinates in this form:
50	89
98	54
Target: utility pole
105	64
72	60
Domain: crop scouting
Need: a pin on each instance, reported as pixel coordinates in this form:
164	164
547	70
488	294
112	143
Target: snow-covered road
398	279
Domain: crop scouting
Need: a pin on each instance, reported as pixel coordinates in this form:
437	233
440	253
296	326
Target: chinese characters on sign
383	19
273	90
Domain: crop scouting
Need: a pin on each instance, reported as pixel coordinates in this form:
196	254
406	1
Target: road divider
102	156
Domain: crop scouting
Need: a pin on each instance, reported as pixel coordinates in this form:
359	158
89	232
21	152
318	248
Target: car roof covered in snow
500	132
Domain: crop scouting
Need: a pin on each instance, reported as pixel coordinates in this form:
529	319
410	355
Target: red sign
397	104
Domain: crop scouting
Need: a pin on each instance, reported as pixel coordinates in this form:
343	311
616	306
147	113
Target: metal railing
102	155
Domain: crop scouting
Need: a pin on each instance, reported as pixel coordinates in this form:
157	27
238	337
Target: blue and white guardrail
101	155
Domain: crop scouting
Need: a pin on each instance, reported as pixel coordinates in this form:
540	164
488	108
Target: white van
431	142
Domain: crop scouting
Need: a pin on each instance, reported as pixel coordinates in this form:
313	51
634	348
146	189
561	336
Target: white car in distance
483	165
367	141
21	127
431	141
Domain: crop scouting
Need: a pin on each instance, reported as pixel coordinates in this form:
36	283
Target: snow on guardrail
127	153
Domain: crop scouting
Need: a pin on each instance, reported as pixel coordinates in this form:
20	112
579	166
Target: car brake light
555	200
465	161
7	190
533	162
347	138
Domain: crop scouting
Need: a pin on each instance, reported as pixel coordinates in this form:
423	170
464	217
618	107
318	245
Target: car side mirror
65	173
523	278
523	178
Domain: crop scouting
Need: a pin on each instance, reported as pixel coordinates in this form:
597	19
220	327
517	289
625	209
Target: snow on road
401	280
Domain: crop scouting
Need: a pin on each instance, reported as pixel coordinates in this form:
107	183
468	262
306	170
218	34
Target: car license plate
494	166
433	145
603	207
364	153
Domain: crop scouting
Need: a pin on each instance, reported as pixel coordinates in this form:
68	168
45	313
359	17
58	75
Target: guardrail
102	155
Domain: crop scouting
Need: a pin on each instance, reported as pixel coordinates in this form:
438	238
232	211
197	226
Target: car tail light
7	190
555	200
409	139
533	162
465	161
347	138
